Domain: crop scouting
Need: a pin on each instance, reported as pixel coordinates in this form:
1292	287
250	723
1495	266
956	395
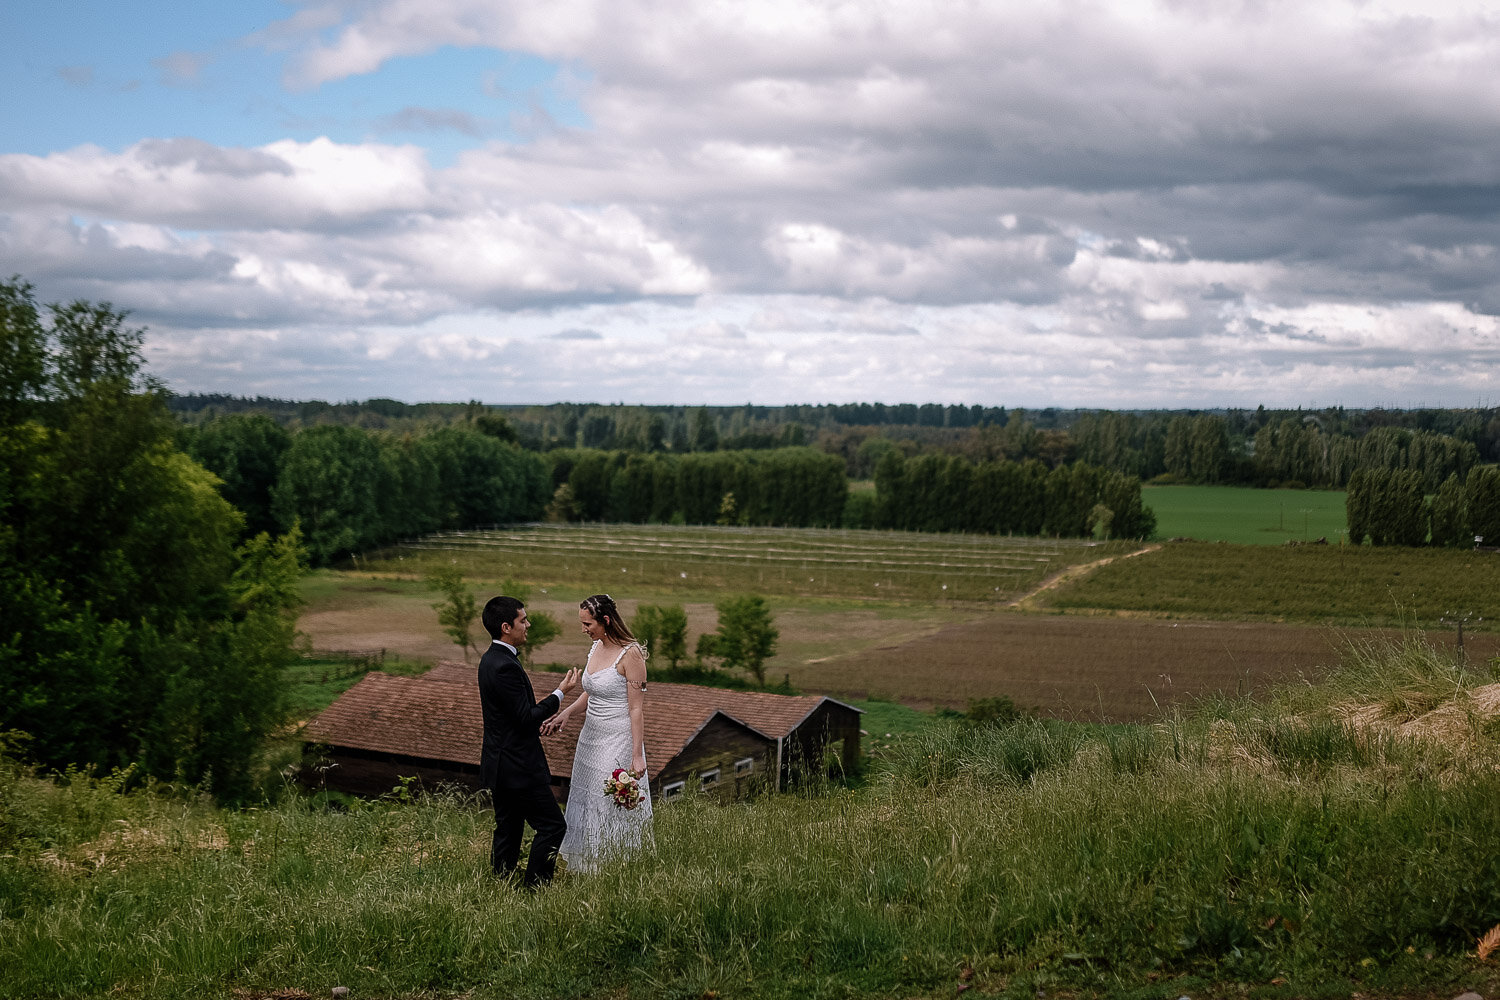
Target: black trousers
535	804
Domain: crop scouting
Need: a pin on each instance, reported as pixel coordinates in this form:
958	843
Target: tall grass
1241	843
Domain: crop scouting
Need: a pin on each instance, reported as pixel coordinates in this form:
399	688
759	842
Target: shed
710	740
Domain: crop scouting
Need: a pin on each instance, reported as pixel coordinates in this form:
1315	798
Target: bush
859	510
993	711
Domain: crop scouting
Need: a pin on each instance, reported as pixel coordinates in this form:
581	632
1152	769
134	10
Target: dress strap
623	650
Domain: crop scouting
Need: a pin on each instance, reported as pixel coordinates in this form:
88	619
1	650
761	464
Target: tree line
788	487
1286	451
946	493
351	489
1257	447
1392	507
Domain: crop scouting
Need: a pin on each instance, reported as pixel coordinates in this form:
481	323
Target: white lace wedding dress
597	828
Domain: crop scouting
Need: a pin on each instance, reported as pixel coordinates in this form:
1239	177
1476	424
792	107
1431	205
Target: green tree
728	511
745	637
891	510
563	508
1388	506
1121	495
224	690
704	435
662	629
409	496
92	347
590	481
330	483
1357	505
632	489
1449	525
23	352
1179	448
131	627
244	451
544	627
1482	504
458	609
496	426
482	480
1209	448
1101	519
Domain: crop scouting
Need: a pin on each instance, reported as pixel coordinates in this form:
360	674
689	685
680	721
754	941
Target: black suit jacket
512	754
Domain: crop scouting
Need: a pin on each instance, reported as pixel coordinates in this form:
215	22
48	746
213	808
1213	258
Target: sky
1111	203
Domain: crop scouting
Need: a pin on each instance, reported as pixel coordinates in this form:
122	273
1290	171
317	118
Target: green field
789	561
1327	584
1248	516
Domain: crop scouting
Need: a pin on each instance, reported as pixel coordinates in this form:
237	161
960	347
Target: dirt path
1026	602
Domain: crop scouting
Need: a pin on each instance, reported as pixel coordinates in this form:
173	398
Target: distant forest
1259	447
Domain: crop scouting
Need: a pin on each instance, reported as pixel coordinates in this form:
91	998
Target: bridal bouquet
624	787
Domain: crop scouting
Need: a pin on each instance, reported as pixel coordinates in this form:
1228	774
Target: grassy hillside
1339	838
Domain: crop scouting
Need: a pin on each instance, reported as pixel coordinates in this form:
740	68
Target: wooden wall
370	774
720	744
830	727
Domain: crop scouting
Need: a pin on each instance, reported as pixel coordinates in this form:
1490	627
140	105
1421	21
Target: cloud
432	120
181	69
1068	202
78	76
190	183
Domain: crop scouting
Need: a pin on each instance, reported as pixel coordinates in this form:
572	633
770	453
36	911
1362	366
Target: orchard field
787	562
1119	638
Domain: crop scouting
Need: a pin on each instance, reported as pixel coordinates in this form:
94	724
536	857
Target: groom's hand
569	682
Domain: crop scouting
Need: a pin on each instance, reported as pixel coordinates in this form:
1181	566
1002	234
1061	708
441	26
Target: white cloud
1120	202
190	183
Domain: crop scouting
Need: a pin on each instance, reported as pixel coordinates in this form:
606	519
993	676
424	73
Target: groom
512	764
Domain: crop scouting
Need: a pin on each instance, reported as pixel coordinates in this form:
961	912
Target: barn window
673	790
744	766
708	779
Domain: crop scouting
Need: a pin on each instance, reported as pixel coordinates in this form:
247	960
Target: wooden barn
712	741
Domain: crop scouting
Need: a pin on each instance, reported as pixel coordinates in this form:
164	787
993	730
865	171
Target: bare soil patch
1103	667
400	620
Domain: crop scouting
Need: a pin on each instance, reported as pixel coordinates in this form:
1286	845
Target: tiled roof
776	715
404	715
437	716
454	672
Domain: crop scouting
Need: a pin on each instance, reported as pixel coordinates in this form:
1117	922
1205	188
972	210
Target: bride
613	738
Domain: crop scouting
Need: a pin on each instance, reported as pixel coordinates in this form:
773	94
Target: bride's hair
601	607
